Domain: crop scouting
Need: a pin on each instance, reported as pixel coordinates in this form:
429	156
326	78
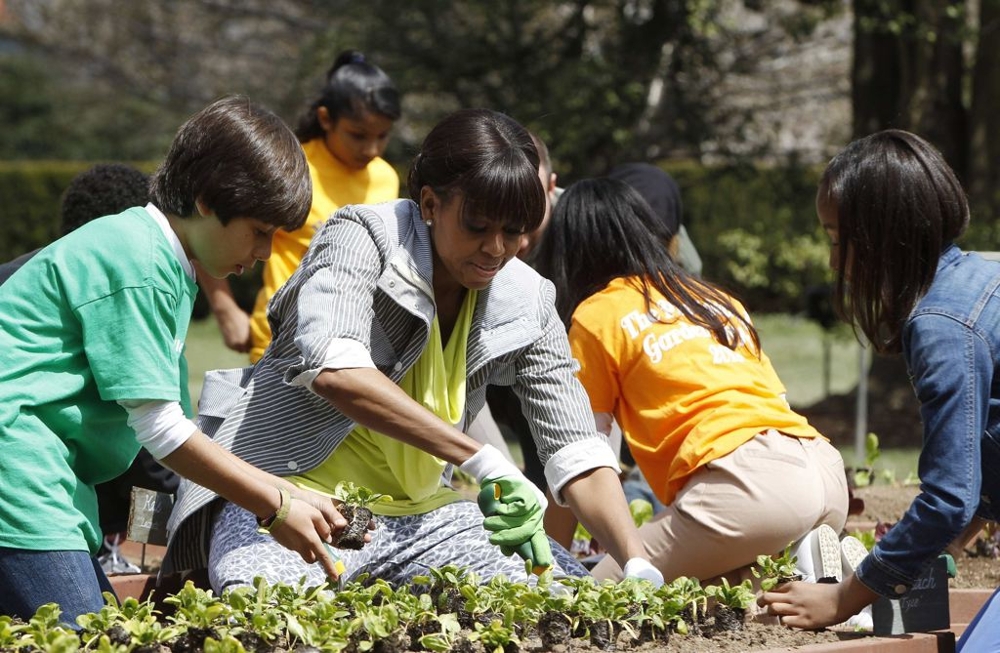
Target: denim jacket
951	344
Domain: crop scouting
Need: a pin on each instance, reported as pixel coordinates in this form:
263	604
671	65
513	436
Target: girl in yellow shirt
343	133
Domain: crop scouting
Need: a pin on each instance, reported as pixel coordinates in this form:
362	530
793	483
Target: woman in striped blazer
385	339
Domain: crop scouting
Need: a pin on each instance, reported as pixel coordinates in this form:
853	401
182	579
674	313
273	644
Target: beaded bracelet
268	524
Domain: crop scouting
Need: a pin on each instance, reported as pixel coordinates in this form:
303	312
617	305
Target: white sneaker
852	552
818	555
112	562
862	620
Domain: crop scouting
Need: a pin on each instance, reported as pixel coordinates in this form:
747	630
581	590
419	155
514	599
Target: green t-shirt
96	317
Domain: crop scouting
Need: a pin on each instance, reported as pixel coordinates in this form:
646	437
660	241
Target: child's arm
311	519
305	524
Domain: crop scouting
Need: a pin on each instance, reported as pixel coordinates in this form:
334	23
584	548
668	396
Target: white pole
861	404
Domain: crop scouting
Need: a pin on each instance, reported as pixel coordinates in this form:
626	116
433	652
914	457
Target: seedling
864	476
775	570
731	605
356	509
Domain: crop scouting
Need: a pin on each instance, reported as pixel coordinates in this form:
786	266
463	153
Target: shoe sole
827	551
852	552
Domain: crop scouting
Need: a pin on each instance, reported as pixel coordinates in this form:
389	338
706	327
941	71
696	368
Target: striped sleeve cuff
341	354
575	459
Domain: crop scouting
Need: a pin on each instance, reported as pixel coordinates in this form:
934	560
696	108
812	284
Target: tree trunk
908	72
876	73
984	132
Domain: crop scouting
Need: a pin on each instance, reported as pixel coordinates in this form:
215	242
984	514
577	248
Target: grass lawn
205	351
794	345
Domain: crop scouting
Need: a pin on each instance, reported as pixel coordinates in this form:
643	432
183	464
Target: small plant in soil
654	613
356	509
444	633
865	476
557	619
694	602
132	622
731	603
605	609
45	633
445	585
775	570
496	637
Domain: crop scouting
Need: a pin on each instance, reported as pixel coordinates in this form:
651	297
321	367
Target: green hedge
755	227
29	194
756	230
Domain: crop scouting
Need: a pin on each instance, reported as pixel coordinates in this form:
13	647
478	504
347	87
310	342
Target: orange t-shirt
681	398
334	185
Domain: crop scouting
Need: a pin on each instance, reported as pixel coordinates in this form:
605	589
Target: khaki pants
768	493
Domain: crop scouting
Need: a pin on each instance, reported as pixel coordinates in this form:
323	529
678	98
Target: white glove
643	569
488	462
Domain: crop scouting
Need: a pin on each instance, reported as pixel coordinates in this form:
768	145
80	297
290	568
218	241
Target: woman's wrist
277	518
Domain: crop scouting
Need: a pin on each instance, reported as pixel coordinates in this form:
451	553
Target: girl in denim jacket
893	209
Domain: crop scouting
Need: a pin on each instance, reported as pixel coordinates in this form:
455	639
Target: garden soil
886	503
882	502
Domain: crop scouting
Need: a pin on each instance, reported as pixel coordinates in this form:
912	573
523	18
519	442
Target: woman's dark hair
898	206
602	230
241	161
353	86
490	160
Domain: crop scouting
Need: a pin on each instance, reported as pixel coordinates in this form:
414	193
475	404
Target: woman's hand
512	505
310	525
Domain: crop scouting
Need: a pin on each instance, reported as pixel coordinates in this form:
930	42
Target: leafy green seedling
775	570
356	509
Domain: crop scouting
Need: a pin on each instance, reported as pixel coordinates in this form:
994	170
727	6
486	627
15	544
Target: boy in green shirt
91	357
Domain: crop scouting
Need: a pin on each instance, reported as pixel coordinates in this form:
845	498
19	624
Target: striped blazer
365	286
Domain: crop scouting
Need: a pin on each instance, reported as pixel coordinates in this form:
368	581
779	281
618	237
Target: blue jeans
30	579
983	634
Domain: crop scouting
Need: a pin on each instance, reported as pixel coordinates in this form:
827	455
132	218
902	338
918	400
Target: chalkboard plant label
924	608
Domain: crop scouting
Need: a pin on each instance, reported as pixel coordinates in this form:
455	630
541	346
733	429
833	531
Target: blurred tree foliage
600	80
933	67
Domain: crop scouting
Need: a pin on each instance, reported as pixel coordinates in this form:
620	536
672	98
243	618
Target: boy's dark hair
603	230
104	189
487	157
353	85
898	207
241	161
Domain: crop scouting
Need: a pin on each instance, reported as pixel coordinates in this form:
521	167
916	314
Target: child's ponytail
353	85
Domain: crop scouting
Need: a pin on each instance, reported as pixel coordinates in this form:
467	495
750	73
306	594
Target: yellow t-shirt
681	398
334	186
409	475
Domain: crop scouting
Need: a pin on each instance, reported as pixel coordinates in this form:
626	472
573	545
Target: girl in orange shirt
677	362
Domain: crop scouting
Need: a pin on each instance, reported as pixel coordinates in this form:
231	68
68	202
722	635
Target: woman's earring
428	222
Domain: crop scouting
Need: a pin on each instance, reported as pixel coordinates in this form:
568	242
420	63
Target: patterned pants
401	548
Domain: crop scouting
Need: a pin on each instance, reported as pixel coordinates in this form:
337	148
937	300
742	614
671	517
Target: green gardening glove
536	551
514	516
